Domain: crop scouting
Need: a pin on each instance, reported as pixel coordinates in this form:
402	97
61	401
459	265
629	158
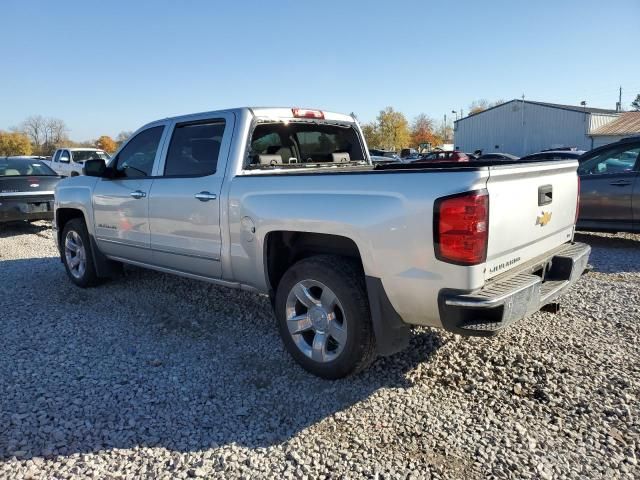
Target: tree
14	143
46	134
483	104
123	137
393	129
371	134
423	131
636	103
106	143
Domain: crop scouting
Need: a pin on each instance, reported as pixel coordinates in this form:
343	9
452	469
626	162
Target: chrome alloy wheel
75	254
316	320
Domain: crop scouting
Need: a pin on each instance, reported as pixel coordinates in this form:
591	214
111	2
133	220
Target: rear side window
194	149
136	159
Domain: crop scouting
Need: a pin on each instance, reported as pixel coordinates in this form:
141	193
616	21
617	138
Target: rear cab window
295	144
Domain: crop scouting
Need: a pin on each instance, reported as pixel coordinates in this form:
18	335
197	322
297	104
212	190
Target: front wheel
323	316
76	253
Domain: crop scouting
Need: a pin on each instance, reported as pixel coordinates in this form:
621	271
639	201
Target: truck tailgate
532	208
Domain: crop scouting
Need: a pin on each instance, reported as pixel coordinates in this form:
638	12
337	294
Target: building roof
628	123
578	108
573	108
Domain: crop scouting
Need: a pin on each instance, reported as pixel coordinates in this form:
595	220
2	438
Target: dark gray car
610	187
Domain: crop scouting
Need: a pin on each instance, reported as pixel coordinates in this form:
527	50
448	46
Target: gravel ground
153	376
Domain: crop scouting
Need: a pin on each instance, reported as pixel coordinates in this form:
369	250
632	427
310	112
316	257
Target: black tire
88	278
345	278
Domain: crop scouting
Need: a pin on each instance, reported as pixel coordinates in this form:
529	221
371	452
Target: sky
111	66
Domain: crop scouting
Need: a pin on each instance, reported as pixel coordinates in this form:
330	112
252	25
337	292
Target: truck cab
68	162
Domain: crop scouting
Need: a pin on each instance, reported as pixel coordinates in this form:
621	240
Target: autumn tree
371	134
423	131
393	129
106	143
636	103
14	143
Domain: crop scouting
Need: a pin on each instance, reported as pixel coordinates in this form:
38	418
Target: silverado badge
543	219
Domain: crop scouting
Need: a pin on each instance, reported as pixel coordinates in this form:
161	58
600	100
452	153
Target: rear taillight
461	228
577	201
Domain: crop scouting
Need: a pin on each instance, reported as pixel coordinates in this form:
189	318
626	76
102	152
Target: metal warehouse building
521	127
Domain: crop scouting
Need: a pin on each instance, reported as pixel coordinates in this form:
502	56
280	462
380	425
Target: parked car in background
26	189
285	202
381	157
408	155
554	155
68	162
442	156
610	187
379	160
498	156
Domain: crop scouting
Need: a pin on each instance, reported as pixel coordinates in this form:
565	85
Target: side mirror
95	167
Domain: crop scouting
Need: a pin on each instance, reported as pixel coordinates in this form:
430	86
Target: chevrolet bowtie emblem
543	219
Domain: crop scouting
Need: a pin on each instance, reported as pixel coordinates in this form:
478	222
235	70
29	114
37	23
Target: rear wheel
323	316
76	253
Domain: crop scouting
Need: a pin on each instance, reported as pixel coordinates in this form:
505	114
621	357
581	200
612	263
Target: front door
121	203
606	188
184	203
65	163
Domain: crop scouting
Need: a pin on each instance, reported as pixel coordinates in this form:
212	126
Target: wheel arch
284	248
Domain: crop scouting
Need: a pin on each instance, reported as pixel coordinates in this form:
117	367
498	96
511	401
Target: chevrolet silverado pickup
286	202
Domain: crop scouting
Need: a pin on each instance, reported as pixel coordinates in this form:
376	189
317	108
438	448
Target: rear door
184	203
607	183
121	204
532	210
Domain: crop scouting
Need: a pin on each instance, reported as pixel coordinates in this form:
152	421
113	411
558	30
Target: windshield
304	144
84	155
19	167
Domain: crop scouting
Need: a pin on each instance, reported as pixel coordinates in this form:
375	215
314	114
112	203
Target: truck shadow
155	360
12	229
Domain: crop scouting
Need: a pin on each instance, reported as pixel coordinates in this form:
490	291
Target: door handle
205	196
138	194
621	183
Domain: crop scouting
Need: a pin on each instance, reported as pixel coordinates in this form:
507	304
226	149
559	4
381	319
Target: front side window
611	161
136	159
194	149
65	156
57	156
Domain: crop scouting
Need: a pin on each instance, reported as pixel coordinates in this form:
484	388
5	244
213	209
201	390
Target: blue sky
104	67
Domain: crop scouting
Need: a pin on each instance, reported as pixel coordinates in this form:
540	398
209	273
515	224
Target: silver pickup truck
286	202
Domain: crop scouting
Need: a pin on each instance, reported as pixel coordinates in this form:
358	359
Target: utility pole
444	129
524	135
619	106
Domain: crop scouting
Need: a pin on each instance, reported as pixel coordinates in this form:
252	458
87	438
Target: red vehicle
441	157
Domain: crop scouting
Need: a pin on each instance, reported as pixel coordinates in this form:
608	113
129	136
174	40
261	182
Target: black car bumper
502	302
26	208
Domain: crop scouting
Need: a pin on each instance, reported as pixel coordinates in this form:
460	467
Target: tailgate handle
545	195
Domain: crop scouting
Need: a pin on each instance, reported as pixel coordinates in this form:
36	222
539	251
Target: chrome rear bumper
504	301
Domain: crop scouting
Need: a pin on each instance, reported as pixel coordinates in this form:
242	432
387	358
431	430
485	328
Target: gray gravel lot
153	376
